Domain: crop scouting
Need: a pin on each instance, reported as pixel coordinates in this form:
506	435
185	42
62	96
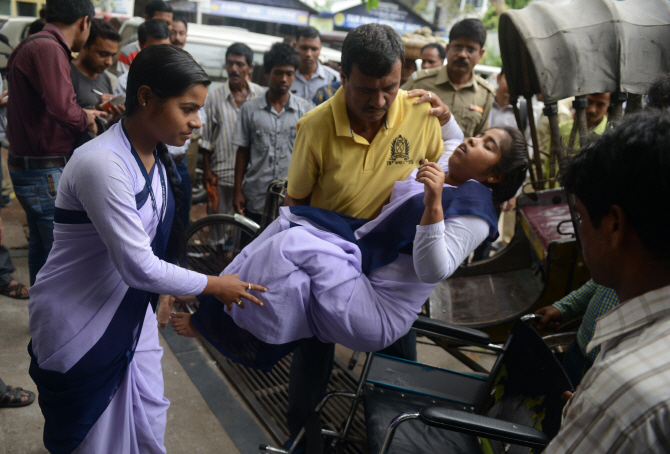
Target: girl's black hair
169	71
513	165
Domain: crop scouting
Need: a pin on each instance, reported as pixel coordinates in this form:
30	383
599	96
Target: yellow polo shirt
343	171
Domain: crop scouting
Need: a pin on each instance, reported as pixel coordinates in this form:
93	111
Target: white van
15	29
208	45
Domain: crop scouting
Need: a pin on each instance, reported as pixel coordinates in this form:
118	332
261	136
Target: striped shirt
217	132
126	57
590	300
623	403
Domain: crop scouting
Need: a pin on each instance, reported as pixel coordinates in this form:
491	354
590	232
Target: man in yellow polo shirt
349	151
347	154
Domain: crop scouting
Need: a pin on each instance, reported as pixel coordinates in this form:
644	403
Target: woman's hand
432	177
438	108
229	289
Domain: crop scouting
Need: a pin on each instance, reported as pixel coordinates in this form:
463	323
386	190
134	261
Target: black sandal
17	289
12	397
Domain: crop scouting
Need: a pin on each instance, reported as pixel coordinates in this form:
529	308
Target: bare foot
181	323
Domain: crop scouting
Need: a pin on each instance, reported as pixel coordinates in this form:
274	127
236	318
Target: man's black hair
307	32
183	21
157	6
243	50
658	95
104	30
469	28
36	26
513	165
280	54
441	51
69	11
155	28
375	48
628	166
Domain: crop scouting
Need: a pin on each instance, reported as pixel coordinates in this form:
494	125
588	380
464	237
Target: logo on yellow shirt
399	152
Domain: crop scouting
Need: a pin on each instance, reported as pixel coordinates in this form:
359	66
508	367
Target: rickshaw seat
544	220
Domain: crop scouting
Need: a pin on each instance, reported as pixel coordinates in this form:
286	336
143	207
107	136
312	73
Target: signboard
184	6
386	13
122	8
258	12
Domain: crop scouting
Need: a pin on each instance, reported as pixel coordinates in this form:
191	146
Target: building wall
21	8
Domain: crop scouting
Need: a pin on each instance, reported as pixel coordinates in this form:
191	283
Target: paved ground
205	416
192	426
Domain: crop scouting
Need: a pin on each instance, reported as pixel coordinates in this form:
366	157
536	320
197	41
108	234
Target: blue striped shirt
217	131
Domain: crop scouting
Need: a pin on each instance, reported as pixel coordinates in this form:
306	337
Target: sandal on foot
14	291
12	397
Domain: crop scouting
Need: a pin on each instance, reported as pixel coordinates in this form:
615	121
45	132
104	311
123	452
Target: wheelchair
412	407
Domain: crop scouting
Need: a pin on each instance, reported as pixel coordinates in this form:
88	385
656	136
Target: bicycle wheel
213	241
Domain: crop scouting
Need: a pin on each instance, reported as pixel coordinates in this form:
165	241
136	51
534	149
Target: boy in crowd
265	132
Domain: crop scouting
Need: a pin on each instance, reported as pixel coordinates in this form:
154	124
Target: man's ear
343	78
83	24
617	225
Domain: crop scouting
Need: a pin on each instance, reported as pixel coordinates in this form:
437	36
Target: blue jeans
36	191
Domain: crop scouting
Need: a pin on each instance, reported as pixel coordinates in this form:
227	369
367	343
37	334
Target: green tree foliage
498	7
370	4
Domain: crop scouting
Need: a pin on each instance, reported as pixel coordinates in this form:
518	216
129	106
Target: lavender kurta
89	271
316	286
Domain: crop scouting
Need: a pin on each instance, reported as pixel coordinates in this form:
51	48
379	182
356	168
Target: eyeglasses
458	49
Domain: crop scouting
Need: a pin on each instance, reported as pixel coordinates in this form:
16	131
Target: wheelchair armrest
483	426
442	329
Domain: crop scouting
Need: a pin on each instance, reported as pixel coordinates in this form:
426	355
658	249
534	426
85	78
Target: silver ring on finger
249	287
430	95
238	302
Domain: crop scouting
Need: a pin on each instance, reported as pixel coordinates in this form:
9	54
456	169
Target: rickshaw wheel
214	241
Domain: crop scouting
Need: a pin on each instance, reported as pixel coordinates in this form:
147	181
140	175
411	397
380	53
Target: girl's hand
230	290
432	177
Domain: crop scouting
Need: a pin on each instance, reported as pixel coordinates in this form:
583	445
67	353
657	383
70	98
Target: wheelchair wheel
215	240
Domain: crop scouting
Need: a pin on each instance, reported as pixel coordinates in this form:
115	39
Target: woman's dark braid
176	246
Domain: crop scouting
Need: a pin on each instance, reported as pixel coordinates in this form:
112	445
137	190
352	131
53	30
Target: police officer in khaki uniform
468	96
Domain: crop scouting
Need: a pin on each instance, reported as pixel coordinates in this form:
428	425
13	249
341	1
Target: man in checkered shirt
623	198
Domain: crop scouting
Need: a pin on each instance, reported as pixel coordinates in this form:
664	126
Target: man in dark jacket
43	118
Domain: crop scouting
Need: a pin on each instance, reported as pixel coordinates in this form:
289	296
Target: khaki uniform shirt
470	105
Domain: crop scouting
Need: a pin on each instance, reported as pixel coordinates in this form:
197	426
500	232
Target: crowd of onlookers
56	103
